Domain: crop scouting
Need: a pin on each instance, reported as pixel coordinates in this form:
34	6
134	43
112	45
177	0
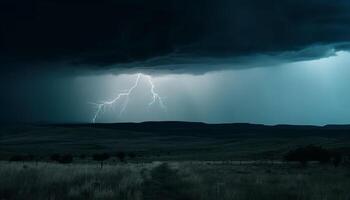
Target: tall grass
173	181
55	181
272	182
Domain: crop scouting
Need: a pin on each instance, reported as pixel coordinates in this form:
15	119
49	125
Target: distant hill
171	140
222	129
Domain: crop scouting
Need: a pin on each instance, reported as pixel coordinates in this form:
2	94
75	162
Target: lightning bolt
106	104
155	96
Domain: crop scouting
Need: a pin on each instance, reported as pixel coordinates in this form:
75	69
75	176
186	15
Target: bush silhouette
101	158
16	158
82	156
30	157
167	183
55	157
22	158
336	159
121	156
309	153
132	155
63	159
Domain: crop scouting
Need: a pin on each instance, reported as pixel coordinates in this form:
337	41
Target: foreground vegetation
173	180
169	141
116	161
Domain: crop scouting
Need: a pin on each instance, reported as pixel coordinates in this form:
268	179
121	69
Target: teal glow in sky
307	92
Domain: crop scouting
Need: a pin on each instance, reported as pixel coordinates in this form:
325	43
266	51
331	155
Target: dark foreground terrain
174	161
170	140
173	181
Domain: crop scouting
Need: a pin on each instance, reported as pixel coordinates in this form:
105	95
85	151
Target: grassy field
174	141
174	180
174	161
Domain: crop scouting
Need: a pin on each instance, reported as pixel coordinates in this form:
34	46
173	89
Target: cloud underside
174	35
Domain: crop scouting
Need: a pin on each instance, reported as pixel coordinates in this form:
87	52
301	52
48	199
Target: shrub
121	156
22	158
336	159
132	155
166	183
101	158
16	158
309	153
30	157
82	156
55	157
65	159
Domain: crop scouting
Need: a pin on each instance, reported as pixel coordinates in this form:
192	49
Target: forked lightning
101	107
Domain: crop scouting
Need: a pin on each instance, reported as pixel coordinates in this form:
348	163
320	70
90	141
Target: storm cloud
175	35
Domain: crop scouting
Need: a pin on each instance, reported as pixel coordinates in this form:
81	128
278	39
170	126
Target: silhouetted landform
171	140
218	129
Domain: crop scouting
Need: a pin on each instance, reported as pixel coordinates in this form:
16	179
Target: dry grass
180	181
55	181
271	182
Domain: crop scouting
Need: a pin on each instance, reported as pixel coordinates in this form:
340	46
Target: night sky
222	61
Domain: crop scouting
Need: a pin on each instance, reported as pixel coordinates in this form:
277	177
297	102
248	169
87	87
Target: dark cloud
158	34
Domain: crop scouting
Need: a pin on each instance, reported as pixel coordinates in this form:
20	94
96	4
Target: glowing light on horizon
101	107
